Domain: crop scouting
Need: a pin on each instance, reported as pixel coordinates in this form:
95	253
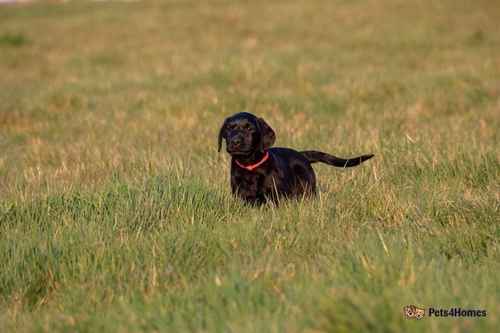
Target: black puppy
260	173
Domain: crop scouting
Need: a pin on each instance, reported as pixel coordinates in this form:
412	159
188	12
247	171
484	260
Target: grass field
115	208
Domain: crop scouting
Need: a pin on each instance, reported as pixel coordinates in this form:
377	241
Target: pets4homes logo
414	312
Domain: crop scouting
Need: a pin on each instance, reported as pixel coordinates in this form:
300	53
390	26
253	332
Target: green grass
115	208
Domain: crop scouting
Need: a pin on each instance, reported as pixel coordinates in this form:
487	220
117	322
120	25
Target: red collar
251	167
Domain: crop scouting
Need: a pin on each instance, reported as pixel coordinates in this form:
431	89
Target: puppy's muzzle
235	143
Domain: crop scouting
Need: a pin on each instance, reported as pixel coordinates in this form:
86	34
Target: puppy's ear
222	135
267	134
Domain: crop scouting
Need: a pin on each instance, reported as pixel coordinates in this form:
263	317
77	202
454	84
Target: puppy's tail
317	156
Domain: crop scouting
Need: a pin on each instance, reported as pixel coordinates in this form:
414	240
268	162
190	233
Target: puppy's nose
236	142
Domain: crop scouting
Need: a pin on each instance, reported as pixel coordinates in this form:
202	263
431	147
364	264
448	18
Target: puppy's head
245	134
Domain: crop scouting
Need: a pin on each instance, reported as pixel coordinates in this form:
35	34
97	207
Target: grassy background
115	212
